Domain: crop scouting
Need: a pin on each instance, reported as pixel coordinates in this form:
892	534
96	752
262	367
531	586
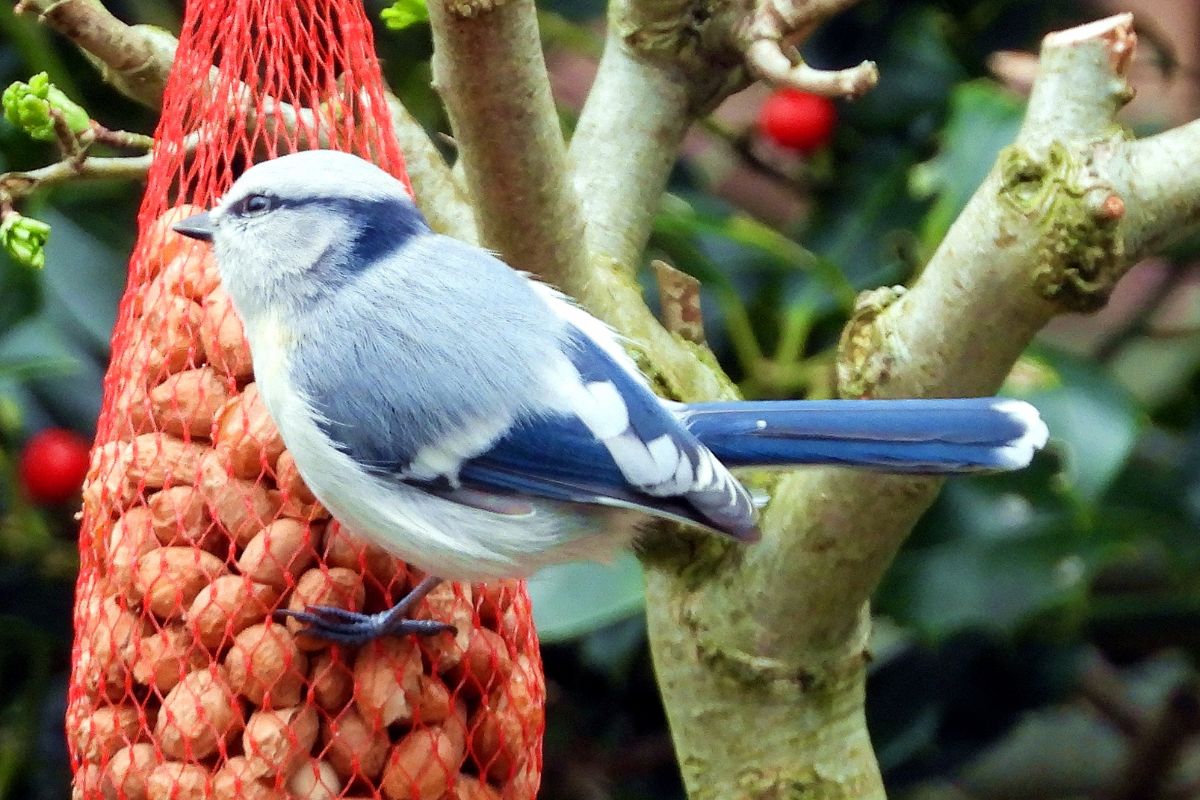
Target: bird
479	424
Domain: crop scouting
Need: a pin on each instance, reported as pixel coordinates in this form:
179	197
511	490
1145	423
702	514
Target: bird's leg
347	627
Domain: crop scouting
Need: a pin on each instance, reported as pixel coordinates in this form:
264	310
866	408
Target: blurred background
1038	635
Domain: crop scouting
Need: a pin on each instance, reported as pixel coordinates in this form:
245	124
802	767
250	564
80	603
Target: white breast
441	537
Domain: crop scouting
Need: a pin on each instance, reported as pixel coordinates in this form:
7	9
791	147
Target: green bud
404	13
28	106
25	239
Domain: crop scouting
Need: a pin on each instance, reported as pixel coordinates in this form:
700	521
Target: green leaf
404	13
84	279
1094	422
782	253
988	583
984	118
570	600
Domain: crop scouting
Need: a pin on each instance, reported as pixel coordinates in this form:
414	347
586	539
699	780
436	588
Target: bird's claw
342	626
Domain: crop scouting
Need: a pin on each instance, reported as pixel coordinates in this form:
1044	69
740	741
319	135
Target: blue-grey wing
653	463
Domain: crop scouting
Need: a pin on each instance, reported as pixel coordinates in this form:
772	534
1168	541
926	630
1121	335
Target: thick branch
489	69
620	179
135	59
1064	212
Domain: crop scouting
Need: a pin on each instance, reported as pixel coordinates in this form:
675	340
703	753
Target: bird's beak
199	227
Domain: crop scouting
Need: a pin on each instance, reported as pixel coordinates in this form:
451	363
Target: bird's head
299	226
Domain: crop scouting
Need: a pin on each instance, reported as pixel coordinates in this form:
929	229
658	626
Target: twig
126	140
1156	751
768	61
679	298
1101	686
16	185
773	23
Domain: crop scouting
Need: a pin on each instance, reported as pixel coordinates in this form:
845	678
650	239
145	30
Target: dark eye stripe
256	204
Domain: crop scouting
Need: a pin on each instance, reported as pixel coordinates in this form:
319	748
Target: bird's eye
257	204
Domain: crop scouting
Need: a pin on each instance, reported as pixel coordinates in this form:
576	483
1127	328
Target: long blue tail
921	436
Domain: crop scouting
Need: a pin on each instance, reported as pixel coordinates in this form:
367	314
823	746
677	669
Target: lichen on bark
1081	250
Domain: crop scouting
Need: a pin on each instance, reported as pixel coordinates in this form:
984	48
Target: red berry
797	120
53	465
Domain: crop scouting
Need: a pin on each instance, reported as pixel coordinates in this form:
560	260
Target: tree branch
15	185
134	59
488	68
440	197
666	63
772	638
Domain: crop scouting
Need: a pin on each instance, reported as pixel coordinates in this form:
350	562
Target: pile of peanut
197	526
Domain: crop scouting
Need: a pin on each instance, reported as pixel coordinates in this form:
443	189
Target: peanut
452	603
279	553
199	715
191	275
159	460
186	402
245	435
236	780
276	742
314	780
104	731
179	516
163	244
468	788
131	408
163	659
127	772
287	477
421	766
334	586
107	487
243	507
87	783
174	780
353	746
130	538
492	599
170	331
107	644
485	664
227	606
431	702
505	725
169	578
266	666
331	681
223	338
386	673
524	785
342	549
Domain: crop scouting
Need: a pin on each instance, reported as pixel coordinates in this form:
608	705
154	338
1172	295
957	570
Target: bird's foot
342	626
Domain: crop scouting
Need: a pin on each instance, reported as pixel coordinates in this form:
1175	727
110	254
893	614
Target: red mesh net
197	525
